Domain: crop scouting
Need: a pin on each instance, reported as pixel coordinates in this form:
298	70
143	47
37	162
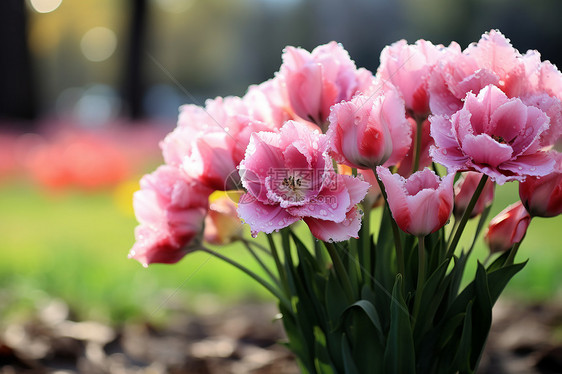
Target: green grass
74	246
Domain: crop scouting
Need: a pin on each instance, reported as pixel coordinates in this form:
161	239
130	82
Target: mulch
243	339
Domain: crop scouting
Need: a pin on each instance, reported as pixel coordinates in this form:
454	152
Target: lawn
74	245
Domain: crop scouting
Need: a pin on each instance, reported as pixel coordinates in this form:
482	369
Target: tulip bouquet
357	188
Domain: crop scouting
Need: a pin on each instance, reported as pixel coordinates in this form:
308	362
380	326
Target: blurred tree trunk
17	95
133	90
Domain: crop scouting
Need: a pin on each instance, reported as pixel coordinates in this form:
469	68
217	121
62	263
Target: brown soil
244	339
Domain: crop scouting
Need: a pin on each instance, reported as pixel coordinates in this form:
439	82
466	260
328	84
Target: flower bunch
327	144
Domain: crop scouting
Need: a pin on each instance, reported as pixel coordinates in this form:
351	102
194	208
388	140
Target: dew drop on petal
323	212
444	151
520	168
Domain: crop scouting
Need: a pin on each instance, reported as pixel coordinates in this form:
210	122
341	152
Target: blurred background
89	87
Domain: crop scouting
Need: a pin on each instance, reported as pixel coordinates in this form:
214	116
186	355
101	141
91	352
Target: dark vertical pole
134	84
17	97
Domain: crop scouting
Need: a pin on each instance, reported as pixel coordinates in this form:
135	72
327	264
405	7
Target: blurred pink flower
370	130
289	176
494	135
319	79
268	102
464	190
210	142
542	196
408	67
421	204
507	228
171	210
222	224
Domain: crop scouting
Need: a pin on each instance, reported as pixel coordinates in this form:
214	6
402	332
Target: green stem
366	241
417	144
274	291
511	257
421	276
395	229
263	265
278	263
257	245
340	270
466	216
451	234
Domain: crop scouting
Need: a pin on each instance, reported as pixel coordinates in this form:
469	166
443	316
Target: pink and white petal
330	231
329	204
441	132
452	158
356	188
264	217
485	150
536	164
508	120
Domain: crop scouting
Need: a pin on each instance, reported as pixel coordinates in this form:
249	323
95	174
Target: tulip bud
507	228
543	196
464	190
421	204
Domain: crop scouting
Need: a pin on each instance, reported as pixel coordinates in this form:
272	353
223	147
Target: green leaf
348	362
498	279
399	355
461	362
322	361
482	315
369	310
432	295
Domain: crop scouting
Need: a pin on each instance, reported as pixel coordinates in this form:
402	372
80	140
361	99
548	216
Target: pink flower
543	196
406	165
268	102
289	176
171	209
421	204
408	67
222	224
209	143
319	79
494	135
370	130
507	228
492	60
464	190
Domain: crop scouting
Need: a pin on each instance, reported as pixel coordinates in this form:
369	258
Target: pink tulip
222	224
408	67
493	60
289	176
421	204
319	79
507	228
464	190
171	209
209	143
543	196
494	135
370	130
268	102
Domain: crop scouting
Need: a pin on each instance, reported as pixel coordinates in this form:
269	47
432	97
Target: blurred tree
134	87
17	94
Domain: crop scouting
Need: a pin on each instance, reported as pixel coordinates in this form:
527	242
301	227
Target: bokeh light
98	44
45	6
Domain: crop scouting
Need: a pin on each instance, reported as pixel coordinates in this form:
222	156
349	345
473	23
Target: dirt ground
243	339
